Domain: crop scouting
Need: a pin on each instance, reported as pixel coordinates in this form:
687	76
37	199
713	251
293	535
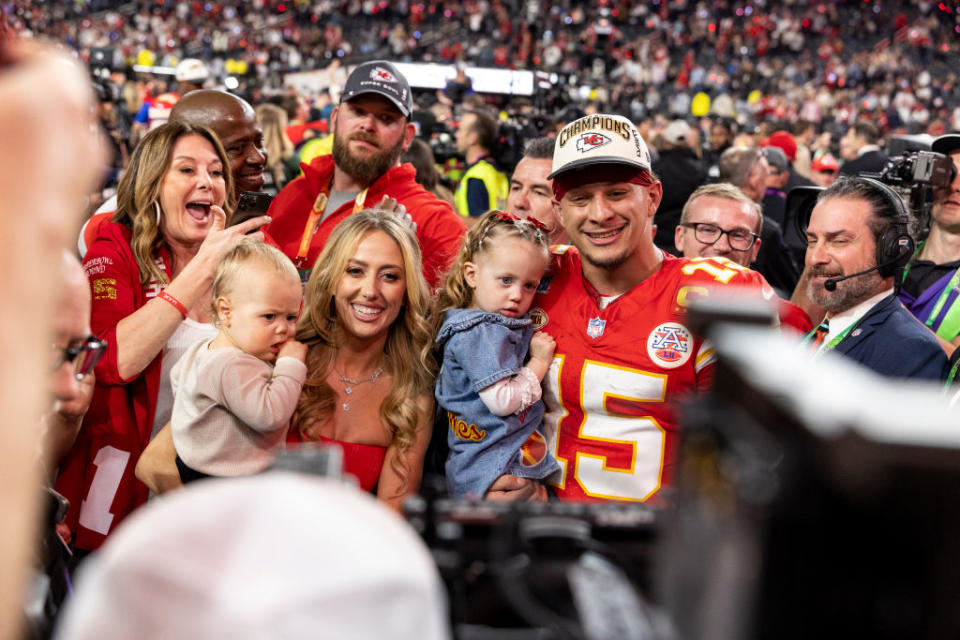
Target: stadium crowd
451	282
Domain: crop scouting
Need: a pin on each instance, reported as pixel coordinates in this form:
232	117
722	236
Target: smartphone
252	204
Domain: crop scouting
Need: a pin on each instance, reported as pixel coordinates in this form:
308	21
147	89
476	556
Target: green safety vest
495	181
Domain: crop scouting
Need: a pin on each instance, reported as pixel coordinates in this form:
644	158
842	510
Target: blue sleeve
492	352
478	200
143	116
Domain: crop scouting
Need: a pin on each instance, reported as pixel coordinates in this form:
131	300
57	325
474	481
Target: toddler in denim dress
491	398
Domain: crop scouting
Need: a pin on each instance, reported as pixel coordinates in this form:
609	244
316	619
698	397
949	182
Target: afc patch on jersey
539	317
670	345
595	327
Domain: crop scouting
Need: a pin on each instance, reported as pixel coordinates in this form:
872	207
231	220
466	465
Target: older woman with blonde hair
150	271
369	386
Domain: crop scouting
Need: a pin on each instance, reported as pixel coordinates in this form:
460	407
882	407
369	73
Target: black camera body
918	168
914	175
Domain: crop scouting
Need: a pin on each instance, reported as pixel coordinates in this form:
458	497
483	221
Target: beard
848	293
364	170
608	262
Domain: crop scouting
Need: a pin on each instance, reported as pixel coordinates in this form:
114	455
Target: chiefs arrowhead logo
382	75
588	141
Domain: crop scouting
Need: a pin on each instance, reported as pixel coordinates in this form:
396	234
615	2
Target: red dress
363	461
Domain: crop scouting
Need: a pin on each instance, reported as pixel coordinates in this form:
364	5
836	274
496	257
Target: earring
156	205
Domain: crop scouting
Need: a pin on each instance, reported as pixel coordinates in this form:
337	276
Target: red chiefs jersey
617	372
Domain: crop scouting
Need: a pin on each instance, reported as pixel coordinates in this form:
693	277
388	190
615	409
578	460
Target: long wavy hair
407	355
273	121
456	293
138	194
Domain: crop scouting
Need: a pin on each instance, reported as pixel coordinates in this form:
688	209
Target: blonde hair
408	358
273	120
456	293
249	253
138	194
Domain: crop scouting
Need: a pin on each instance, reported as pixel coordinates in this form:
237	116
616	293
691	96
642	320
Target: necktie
822	330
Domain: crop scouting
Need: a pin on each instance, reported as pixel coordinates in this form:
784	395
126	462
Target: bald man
235	123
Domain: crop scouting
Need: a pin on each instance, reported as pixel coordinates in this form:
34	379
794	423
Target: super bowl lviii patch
670	345
539	318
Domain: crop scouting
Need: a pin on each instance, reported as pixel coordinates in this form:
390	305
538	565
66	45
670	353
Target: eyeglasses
739	239
84	356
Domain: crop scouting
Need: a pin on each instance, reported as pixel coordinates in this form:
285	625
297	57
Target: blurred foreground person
48	164
277	555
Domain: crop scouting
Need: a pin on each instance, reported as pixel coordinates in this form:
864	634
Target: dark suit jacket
870	162
893	343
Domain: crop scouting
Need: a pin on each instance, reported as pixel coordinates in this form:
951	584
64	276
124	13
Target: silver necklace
347	382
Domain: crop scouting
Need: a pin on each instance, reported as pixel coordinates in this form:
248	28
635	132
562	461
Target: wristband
176	303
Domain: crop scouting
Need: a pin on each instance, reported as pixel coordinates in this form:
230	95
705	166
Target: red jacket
439	229
97	474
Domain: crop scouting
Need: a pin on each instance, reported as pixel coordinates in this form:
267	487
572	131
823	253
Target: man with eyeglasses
720	221
75	354
747	169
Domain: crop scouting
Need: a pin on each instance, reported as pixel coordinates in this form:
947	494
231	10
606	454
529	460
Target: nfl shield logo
595	327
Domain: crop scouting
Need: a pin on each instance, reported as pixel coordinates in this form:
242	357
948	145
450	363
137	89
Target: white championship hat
191	70
275	555
599	139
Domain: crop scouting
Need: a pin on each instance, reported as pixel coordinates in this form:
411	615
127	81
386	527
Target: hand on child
542	346
293	349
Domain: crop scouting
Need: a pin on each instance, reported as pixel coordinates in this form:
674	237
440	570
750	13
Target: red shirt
439	229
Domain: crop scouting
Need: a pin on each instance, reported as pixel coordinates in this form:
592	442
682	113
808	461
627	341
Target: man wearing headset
856	244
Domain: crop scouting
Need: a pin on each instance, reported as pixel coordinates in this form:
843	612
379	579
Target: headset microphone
830	284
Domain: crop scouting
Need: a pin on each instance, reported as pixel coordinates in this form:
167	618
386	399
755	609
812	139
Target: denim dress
479	349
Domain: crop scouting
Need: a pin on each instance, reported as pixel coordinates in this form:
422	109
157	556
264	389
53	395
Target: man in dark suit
859	148
864	320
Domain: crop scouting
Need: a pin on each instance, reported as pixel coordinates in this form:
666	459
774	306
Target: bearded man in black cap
371	129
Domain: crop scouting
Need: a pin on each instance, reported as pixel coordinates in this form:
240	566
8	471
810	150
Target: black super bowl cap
381	77
946	144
